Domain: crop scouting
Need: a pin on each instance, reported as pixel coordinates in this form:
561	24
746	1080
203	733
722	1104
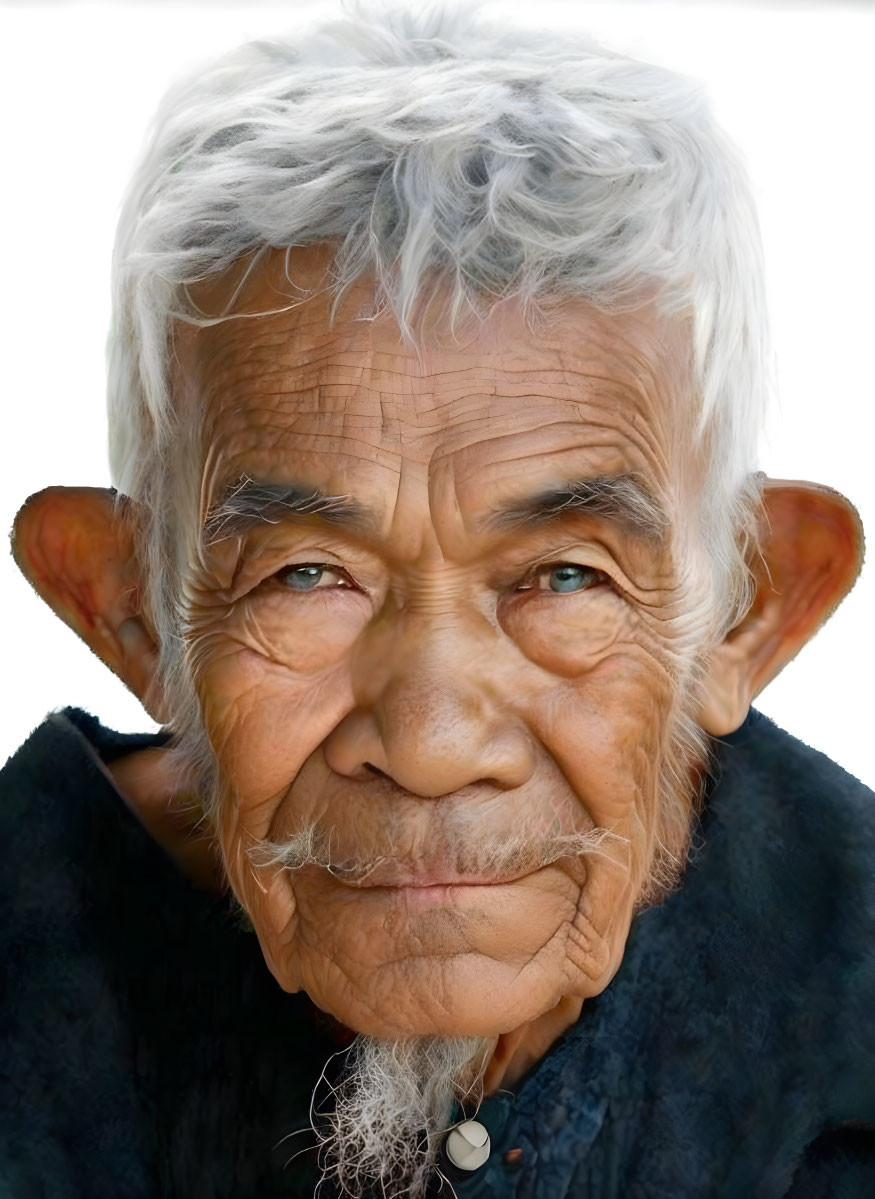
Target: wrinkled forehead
348	405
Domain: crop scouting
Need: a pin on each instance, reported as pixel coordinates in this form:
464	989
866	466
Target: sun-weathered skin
434	676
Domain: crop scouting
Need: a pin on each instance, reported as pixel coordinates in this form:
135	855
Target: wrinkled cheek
633	700
274	913
607	730
572	646
264	719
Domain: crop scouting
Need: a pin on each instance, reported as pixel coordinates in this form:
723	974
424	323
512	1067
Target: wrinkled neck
146	783
518	1051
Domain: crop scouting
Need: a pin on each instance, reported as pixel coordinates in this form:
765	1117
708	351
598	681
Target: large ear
76	548
809	559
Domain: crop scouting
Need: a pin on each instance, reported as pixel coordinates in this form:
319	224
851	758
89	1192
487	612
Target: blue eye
566	577
310	576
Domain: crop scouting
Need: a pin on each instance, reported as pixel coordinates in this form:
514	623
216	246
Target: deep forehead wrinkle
363	375
270	357
443	424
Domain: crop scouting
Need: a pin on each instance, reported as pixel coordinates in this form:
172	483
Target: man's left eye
311	576
564	577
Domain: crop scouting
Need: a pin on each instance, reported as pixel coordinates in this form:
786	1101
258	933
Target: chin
468	996
448	960
436	986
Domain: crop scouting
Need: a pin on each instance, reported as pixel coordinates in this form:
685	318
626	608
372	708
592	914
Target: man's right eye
312	576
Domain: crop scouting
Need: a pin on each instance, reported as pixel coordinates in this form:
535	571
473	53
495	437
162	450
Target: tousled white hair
381	1130
421	144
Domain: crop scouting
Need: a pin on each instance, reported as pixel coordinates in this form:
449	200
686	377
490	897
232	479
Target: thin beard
392	1108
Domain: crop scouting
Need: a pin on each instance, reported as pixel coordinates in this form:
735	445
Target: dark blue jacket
147	1051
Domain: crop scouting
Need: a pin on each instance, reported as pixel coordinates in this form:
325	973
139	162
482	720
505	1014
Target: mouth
409	876
463	893
451	863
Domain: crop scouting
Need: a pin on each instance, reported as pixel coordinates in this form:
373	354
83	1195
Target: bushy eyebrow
246	503
624	498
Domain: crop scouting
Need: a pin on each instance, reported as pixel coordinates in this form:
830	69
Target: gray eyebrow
246	503
625	499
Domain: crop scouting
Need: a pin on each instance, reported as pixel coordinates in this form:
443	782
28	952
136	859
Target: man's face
457	651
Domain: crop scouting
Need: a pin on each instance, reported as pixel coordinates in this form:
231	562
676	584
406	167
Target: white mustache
455	857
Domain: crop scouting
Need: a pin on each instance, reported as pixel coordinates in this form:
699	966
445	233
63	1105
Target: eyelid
575	554
257	569
276	543
592	555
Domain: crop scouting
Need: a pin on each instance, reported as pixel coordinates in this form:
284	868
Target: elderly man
438	550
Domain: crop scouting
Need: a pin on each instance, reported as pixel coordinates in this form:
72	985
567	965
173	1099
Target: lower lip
438	895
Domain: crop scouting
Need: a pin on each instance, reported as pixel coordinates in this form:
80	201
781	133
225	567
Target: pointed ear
75	546
809	558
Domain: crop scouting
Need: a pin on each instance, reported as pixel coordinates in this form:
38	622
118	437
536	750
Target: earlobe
76	548
809	559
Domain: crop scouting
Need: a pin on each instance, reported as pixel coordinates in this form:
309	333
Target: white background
791	83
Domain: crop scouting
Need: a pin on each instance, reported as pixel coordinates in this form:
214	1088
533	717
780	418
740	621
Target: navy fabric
147	1050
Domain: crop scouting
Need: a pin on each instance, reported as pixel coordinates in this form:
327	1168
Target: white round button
467	1145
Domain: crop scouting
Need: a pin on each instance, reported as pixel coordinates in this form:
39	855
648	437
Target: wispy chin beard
391	1109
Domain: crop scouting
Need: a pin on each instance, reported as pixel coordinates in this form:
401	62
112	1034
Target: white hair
421	144
381	1131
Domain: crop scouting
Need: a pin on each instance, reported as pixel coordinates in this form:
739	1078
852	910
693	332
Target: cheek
603	717
269	698
308	633
605	729
567	635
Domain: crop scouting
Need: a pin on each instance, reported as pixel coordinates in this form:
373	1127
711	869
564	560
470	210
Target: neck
149	787
517	1052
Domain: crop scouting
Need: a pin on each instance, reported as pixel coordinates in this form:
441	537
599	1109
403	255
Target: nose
430	716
